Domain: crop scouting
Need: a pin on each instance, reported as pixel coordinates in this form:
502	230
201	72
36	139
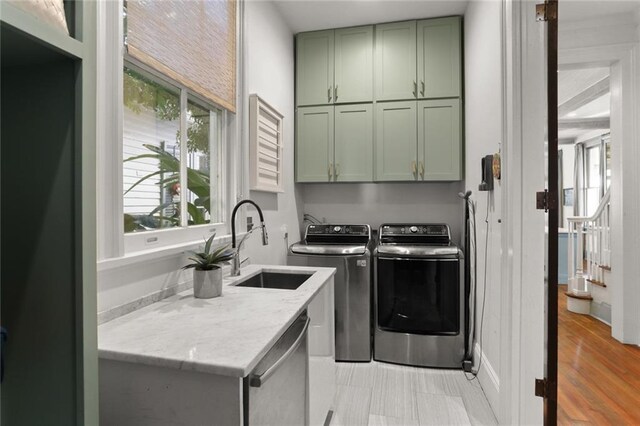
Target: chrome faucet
235	263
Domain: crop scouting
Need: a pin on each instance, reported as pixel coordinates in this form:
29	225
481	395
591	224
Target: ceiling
573	83
577	10
309	15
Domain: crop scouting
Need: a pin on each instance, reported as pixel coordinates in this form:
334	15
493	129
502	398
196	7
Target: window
166	119
151	151
593	179
597	167
162	169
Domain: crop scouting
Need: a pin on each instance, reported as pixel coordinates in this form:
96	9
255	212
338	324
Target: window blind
191	41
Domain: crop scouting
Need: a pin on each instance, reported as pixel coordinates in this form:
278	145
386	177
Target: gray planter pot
207	284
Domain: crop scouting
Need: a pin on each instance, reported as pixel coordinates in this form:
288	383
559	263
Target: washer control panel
338	233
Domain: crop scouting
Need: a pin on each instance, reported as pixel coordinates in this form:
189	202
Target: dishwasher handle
258	380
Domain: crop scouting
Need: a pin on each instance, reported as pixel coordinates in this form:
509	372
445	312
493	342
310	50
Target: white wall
269	72
377	203
483	110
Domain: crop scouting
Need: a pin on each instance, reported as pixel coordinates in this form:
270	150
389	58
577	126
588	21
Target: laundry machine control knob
337	229
414	229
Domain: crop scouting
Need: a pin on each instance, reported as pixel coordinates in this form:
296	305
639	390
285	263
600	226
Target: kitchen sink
279	280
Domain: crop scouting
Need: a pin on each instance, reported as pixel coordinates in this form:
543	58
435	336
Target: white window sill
159	252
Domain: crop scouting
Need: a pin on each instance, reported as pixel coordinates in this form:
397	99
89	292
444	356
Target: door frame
522	293
522	342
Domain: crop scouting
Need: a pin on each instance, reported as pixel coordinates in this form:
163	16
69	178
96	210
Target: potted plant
207	270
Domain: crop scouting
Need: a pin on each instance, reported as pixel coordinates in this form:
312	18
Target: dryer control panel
415	233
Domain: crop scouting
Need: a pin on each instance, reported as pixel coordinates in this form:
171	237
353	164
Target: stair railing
589	248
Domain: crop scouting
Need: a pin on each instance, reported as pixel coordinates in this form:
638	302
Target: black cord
311	218
484	292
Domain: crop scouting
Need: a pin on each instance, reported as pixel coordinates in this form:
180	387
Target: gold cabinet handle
421	169
413	168
329	93
415	89
335	94
422	88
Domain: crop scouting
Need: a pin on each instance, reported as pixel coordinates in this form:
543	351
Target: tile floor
379	394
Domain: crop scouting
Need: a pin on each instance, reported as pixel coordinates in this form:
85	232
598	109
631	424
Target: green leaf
196	214
207	245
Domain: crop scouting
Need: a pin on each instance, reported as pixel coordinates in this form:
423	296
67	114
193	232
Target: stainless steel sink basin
277	280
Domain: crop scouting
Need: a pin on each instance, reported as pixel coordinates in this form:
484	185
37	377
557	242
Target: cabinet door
353	65
354	143
439	140
439	58
314	144
314	68
396	141
396	61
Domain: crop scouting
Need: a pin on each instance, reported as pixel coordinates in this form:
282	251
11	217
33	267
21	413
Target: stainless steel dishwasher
277	390
348	248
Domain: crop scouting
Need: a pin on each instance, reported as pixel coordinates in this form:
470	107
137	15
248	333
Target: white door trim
523	289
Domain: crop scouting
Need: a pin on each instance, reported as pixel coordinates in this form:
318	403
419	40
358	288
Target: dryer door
418	296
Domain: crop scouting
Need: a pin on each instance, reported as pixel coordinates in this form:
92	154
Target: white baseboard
488	379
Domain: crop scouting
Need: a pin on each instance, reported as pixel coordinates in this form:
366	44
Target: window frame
146	240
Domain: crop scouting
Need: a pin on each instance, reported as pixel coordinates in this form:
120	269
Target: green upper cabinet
439	58
353	65
396	141
380	103
314	68
334	144
439	140
353	143
314	144
395	61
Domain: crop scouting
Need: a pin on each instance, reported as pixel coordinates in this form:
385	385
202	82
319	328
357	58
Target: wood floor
598	377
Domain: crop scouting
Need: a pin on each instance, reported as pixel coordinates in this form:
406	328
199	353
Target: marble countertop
226	335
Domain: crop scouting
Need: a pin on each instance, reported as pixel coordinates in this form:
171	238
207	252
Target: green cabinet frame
396	141
314	144
439	58
353	143
48	224
334	144
439	140
418	140
314	68
395	63
334	66
353	65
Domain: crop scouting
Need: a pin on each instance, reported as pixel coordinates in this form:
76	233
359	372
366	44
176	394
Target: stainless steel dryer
348	248
419	308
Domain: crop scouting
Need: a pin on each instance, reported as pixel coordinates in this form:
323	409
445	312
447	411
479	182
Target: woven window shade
190	41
